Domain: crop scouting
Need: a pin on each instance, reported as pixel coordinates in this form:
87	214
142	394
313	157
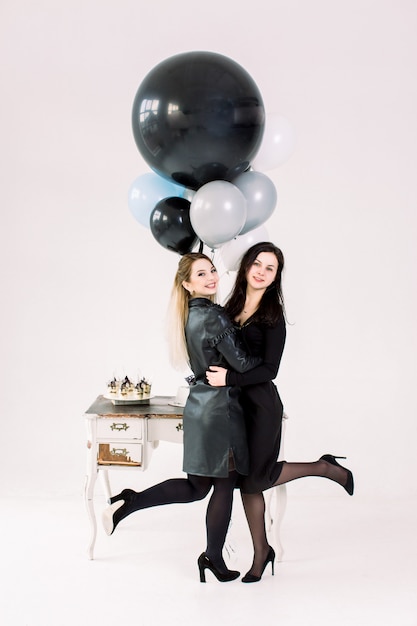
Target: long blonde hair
177	314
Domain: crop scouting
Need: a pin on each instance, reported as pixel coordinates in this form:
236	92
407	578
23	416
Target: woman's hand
216	376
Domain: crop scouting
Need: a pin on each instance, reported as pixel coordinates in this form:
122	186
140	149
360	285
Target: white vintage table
125	436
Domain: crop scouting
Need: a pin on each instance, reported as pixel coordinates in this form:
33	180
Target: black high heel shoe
113	514
205	563
252	578
125	495
349	485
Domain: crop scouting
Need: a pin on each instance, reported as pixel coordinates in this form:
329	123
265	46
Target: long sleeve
229	345
212	340
232	350
273	346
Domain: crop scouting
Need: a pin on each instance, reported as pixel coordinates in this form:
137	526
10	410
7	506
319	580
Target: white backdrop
85	287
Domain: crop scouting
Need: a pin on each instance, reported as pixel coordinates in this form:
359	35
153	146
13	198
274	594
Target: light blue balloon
146	191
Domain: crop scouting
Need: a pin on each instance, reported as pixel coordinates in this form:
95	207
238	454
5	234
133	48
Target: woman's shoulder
219	317
266	328
278	321
209	307
215	317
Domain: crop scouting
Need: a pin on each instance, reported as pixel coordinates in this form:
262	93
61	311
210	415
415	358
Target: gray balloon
261	198
217	212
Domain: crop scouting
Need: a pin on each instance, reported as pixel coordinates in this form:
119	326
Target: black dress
261	403
214	422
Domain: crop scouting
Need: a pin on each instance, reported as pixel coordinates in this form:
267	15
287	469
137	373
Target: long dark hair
271	308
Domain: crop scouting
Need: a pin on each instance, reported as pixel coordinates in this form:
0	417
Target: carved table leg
90	482
89	503
104	475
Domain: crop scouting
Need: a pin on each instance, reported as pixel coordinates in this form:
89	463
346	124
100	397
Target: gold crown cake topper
125	387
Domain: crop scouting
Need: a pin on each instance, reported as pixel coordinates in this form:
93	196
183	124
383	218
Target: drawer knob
119	452
179	427
120	426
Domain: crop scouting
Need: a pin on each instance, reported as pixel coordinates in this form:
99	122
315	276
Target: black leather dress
213	417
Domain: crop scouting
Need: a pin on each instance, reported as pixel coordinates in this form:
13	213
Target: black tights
190	489
254	503
254	507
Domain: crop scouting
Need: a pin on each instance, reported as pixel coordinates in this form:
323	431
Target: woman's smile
203	279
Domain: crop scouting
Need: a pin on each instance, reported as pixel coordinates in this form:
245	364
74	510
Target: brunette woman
257	307
215	444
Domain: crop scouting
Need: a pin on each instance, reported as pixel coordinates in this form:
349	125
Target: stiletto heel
253	578
110	518
349	485
123	495
205	563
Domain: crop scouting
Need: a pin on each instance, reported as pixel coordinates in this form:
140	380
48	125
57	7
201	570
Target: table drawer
168	429
119	453
119	428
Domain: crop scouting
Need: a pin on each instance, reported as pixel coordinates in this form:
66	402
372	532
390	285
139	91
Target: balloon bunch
199	122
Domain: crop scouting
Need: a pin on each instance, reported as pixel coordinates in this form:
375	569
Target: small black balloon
171	226
198	117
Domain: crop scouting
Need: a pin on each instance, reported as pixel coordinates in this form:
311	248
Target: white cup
182	395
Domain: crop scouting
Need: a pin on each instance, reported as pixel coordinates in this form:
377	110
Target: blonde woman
215	445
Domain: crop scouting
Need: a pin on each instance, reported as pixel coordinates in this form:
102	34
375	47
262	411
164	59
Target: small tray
119	400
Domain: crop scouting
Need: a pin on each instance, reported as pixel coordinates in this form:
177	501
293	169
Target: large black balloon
171	226
198	117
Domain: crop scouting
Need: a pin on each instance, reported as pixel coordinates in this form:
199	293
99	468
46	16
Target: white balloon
261	198
277	145
217	212
232	252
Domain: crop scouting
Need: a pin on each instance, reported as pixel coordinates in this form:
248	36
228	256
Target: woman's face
203	279
263	271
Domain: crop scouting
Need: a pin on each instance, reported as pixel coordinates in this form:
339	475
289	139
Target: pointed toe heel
349	485
120	507
108	517
254	578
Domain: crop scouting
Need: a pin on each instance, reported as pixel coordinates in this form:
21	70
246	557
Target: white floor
347	561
